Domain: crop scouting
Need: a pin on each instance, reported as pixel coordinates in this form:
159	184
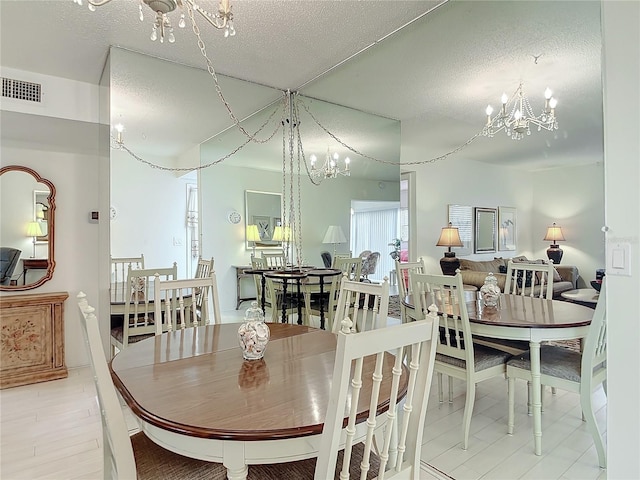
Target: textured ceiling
439	71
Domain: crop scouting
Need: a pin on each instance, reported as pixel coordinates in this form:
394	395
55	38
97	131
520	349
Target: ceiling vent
21	90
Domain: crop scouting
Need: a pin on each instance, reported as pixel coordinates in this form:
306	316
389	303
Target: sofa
474	272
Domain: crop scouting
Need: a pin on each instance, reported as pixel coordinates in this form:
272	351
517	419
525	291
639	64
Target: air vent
21	90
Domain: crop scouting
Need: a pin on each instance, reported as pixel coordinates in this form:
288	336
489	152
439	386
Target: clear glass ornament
253	333
490	291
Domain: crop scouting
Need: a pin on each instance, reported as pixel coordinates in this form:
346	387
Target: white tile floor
52	430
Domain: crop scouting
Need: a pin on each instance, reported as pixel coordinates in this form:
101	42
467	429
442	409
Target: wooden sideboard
32	341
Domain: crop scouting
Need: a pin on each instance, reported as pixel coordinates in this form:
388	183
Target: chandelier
516	116
222	19
330	169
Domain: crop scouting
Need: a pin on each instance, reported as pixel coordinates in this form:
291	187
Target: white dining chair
529	279
204	267
135	457
570	370
185	303
403	273
457	356
352	266
138	320
366	304
275	260
120	268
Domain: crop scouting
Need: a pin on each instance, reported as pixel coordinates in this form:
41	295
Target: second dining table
195	395
532	319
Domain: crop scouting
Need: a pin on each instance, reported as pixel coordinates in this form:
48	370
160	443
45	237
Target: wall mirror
485	230
26	229
263	209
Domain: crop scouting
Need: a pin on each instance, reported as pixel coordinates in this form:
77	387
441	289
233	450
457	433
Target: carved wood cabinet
32	341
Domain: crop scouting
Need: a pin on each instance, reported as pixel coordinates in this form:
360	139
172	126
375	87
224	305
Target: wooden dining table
195	395
526	318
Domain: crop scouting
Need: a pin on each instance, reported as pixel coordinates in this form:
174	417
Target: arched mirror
27	228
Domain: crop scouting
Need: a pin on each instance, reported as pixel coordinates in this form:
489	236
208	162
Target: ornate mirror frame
50	225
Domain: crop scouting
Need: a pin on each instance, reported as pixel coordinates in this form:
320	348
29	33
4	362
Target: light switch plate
619	259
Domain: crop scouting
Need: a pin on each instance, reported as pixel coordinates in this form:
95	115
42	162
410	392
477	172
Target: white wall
621	67
573	198
151	207
76	180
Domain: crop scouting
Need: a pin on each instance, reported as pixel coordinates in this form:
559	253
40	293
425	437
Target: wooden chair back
139	303
120	268
366	304
529	279
399	450
119	460
404	271
275	260
204	267
186	303
352	266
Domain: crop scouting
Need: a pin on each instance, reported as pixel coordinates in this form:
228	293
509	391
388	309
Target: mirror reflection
26	229
263	211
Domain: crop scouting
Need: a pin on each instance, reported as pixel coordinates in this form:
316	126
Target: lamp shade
281	234
33	229
252	233
334	235
554	234
449	237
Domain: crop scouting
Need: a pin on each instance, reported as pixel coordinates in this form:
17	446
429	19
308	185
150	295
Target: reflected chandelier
222	19
330	169
516	116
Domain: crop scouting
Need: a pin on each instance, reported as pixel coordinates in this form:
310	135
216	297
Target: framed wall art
507	228
485	223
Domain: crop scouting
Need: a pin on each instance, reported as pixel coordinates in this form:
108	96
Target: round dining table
533	319
193	393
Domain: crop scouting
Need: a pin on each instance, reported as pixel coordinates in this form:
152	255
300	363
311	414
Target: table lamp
253	236
449	237
334	235
554	252
34	230
283	235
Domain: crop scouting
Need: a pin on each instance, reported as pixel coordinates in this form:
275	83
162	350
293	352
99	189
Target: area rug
394	307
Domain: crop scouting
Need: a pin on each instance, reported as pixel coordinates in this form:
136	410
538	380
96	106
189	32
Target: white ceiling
441	70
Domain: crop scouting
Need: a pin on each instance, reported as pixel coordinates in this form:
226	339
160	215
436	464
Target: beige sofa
474	273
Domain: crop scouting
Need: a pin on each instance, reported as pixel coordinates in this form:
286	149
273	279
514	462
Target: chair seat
484	358
304	469
116	333
560	362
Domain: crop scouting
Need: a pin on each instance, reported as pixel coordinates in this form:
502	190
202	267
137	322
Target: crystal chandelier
222	19
330	169
516	116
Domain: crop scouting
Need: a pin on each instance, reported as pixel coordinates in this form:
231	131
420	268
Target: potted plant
395	253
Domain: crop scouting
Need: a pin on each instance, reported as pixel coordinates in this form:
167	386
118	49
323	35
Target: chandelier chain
388	162
212	72
119	144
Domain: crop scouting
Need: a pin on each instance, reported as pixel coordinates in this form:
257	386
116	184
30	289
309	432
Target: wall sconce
334	235
253	236
554	252
34	230
449	237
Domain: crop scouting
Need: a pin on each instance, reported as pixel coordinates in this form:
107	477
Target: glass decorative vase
490	291
253	333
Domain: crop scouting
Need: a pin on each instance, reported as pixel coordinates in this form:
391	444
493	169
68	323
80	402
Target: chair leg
512	402
440	395
468	412
450	383
592	426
